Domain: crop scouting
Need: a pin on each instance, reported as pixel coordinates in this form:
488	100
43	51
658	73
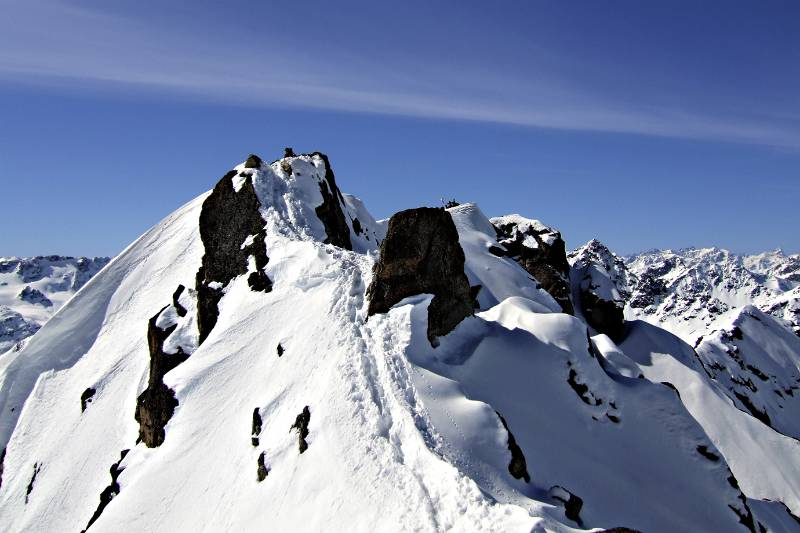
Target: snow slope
299	413
32	289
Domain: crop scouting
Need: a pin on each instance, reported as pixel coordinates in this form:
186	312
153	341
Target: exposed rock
711	456
36	468
253	161
34	296
603	315
155	406
109	492
421	254
227	219
600	282
262	471
538	249
572	503
2	462
256	427
280	350
301	425
179	309
518	468
86	398
582	390
288	152
330	212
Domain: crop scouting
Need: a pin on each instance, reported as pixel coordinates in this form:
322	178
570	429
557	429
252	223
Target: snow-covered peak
299	197
602	271
231	369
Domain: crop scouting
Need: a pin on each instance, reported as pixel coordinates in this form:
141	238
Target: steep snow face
764	461
758	361
32	289
299	411
694	291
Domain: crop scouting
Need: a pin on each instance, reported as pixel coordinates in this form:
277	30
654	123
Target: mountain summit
271	356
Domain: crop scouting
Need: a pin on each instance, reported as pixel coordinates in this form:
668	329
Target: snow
402	436
499	277
32	289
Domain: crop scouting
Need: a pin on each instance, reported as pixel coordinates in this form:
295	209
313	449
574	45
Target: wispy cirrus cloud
48	42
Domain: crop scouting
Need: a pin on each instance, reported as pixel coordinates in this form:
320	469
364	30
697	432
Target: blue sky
644	124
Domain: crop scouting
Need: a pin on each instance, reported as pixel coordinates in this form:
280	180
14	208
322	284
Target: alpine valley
271	357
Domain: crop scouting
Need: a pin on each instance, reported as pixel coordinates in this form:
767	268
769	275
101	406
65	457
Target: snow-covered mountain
270	356
694	291
32	289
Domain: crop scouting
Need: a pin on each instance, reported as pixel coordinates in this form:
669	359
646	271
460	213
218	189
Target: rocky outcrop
301	425
571	502
34	296
262	471
330	212
256	431
229	219
36	468
155	406
600	283
517	467
111	491
421	254
538	249
86	398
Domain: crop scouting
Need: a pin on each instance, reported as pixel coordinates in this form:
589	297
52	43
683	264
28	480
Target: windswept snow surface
401	436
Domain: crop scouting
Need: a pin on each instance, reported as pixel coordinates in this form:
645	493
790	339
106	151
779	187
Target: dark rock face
155	406
262	470
2	462
603	315
256	427
572	503
547	262
421	254
34	296
711	456
253	161
280	350
227	219
109	492
301	425
330	212
179	309
518	468
86	398
36	468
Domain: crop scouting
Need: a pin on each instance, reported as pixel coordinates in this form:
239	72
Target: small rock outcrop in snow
421	255
540	250
154	406
600	284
